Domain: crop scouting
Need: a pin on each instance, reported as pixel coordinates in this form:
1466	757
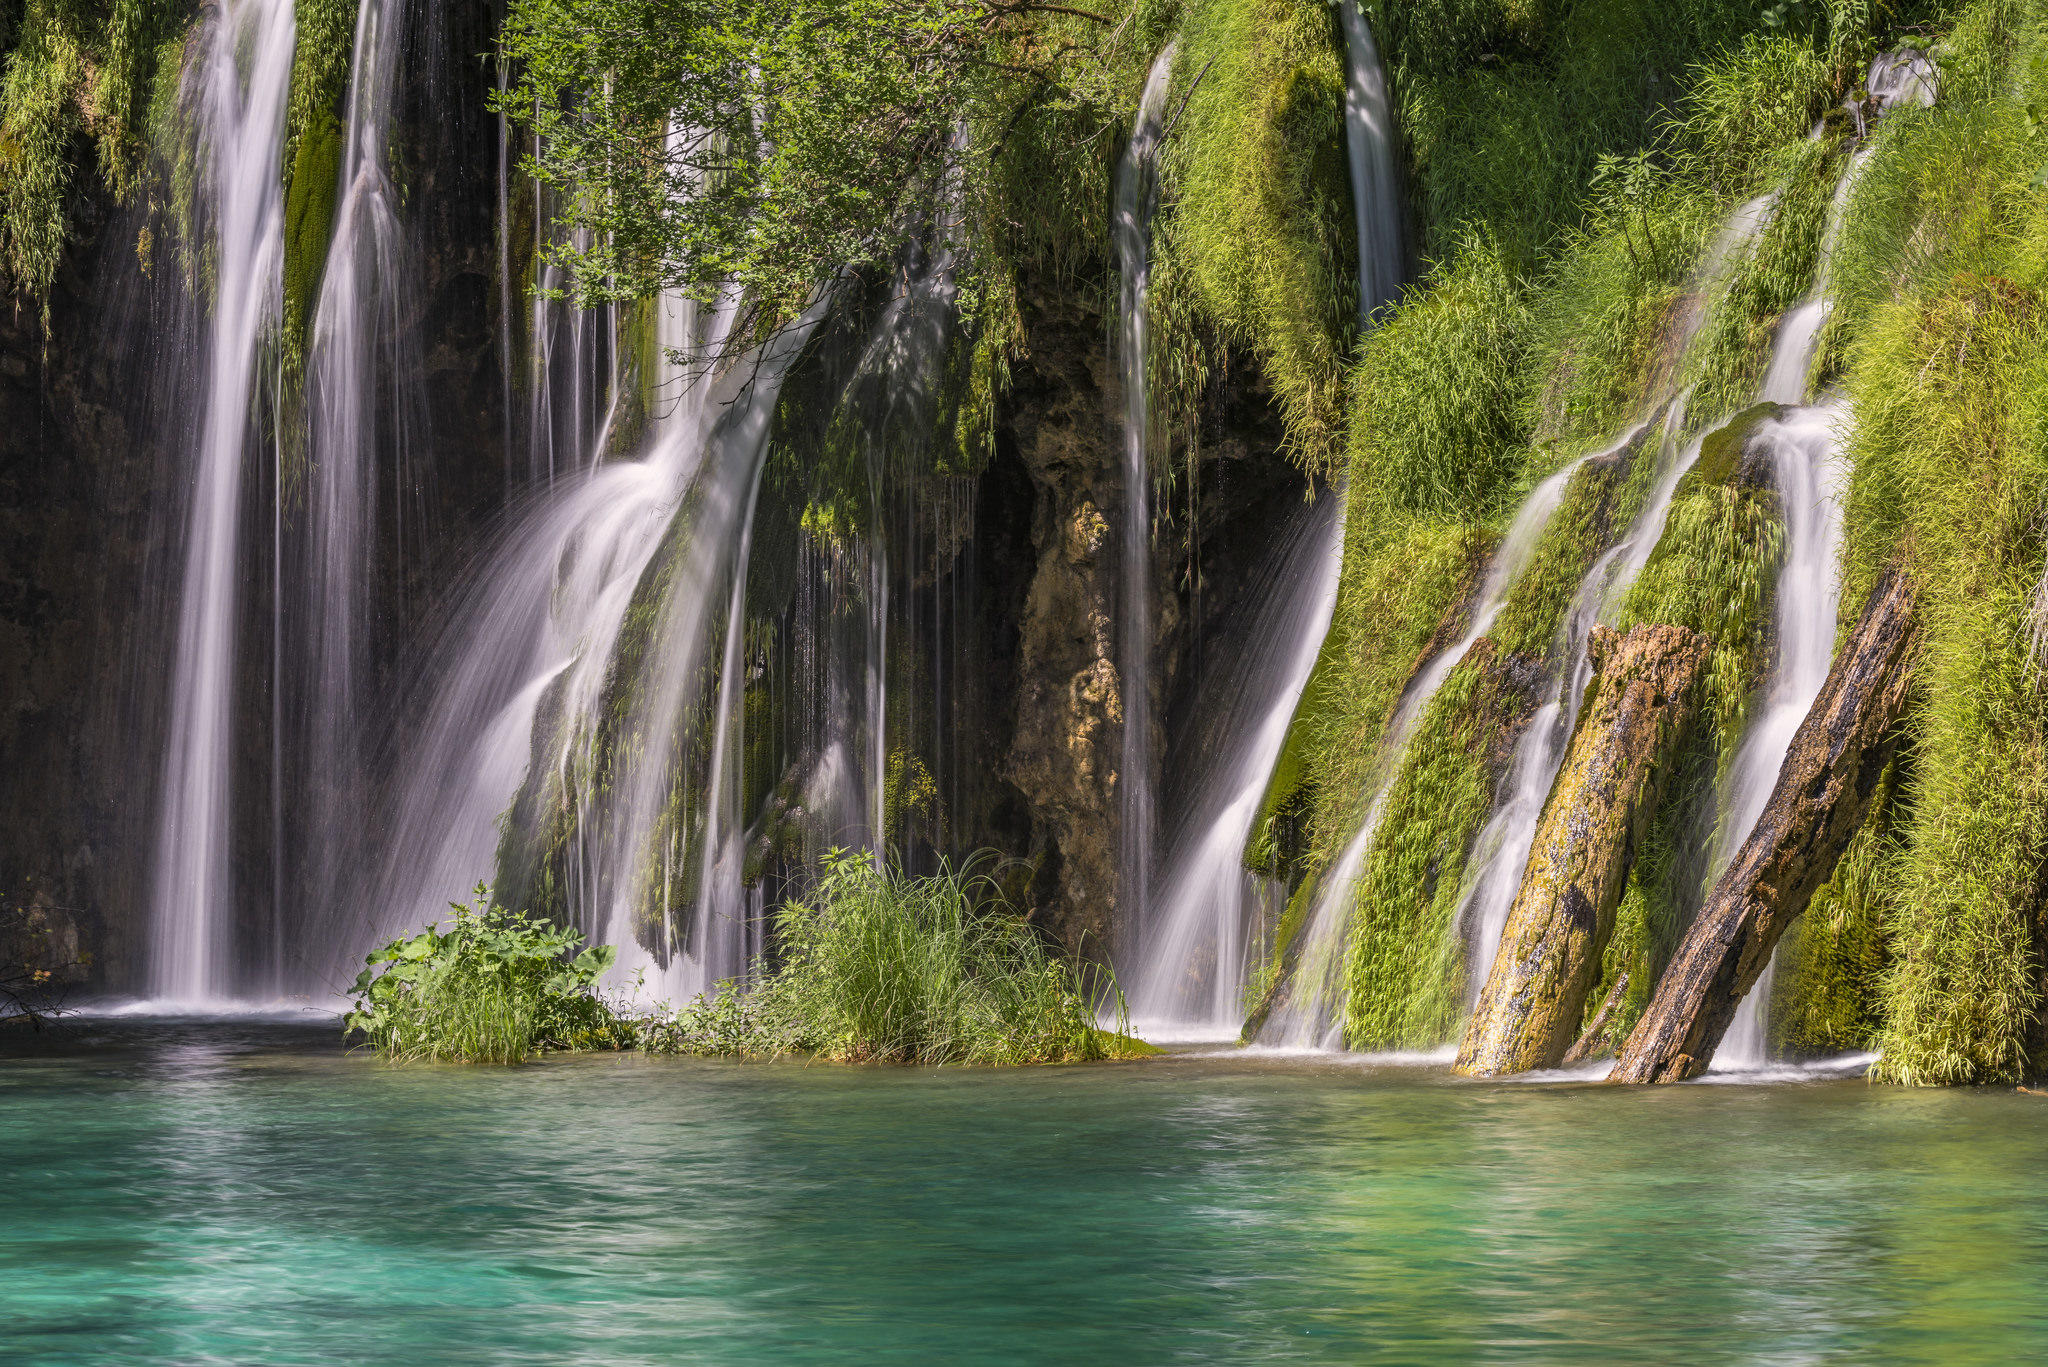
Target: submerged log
1643	698
1835	764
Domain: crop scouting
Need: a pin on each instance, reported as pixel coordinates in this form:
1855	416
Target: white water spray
1136	192
240	88
1188	978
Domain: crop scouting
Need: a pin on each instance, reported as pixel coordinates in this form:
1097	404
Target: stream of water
241	126
1136	197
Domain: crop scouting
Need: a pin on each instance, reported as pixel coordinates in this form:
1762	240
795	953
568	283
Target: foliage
776	147
1404	968
493	987
1257	214
1744	107
878	966
77	68
1436	425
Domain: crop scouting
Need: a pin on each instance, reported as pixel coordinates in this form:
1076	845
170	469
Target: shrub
881	967
493	987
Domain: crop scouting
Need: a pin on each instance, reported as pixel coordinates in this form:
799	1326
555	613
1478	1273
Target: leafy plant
881	967
493	987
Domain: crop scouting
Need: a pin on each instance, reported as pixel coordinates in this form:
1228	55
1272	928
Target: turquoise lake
249	1193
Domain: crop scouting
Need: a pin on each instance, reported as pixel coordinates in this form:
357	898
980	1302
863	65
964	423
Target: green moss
309	224
312	161
1404	969
1827	996
1593	507
1401	586
1256	246
1713	571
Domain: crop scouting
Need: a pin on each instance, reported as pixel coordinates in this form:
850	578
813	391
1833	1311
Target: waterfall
1136	193
240	88
1805	453
1310	1015
1502	850
363	405
534	634
1375	187
1188	977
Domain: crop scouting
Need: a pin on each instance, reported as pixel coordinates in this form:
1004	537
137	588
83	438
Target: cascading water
1375	184
1136	191
363	402
1307	1017
1188	977
535	637
239	92
1504	844
1192	963
1804	449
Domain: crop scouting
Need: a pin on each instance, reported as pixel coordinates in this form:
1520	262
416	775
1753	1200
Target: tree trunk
1833	767
1644	695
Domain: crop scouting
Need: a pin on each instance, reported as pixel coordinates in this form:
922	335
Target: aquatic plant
492	986
879	966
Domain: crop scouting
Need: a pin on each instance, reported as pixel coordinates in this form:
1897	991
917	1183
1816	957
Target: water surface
248	1193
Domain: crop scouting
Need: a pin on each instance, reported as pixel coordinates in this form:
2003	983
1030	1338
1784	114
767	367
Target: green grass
1943	261
74	71
881	967
1257	229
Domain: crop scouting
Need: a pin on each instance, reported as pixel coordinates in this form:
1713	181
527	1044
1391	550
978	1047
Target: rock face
1835	764
1061	424
1060	420
1645	692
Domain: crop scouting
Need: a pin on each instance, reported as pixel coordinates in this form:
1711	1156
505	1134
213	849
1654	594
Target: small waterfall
1805	456
534	635
1310	1014
239	89
1136	193
1375	185
1804	451
1192	967
1504	844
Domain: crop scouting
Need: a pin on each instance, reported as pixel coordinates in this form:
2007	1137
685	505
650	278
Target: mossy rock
1728	454
309	223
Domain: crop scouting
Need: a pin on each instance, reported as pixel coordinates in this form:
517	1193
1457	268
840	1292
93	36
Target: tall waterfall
1191	968
363	420
1375	183
238	93
1804	445
1136	193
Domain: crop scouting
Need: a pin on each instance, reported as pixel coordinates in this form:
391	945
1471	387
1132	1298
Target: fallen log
1832	769
1643	698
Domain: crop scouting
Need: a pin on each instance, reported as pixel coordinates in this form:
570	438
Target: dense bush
493	987
881	967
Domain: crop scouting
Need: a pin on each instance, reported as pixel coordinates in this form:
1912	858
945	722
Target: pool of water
248	1193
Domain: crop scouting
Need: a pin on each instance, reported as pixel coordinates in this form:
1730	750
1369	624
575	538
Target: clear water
246	1193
